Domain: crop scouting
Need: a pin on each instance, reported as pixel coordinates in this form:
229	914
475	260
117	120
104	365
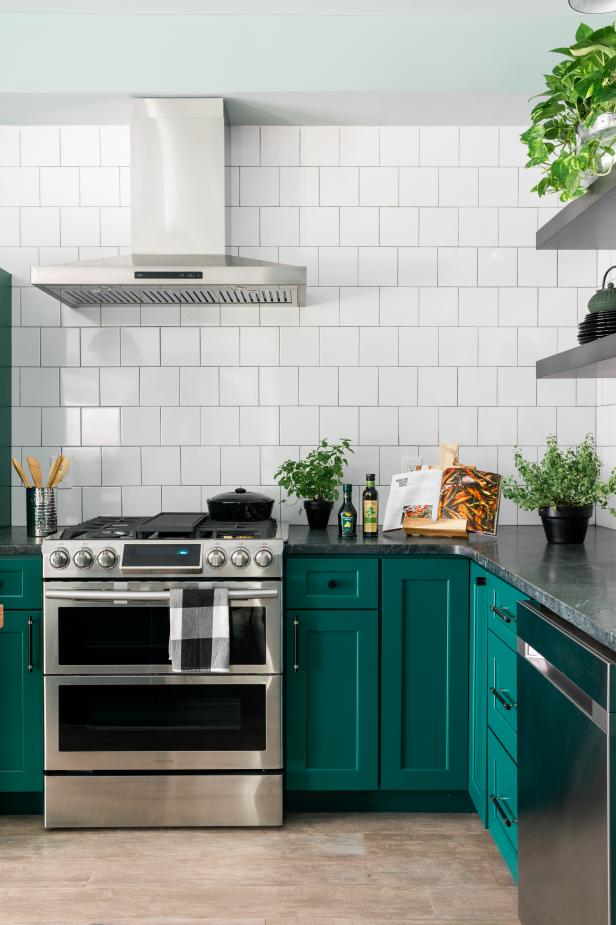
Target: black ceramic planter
566	524
318	513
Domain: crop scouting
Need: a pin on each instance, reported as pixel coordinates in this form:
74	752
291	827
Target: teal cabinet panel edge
5	398
478	685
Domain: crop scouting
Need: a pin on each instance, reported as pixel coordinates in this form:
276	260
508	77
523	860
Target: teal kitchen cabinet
21	696
478	691
424	678
21	684
331	704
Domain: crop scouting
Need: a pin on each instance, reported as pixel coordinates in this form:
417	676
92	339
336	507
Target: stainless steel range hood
177	223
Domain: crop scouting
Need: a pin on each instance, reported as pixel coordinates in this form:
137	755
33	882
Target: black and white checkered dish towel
199	629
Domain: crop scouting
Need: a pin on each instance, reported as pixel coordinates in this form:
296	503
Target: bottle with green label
347	515
370	507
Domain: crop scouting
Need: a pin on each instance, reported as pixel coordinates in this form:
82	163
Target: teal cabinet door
21	696
478	697
331	683
424	669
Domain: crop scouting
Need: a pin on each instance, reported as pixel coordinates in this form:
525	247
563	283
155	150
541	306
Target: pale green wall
235	54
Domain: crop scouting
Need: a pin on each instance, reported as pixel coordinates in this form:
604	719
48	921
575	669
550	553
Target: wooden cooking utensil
35	471
62	471
19	469
53	470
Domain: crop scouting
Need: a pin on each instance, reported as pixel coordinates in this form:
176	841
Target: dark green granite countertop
576	582
15	542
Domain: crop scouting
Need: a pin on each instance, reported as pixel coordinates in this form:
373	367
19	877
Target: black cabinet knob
331	583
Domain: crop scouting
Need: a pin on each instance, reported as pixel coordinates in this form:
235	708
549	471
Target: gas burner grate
169	526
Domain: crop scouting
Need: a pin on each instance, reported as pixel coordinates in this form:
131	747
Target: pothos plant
562	479
580	88
318	476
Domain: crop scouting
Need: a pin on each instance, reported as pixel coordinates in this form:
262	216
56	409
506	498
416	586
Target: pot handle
605	275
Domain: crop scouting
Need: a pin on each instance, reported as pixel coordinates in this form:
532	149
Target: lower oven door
95	627
180	722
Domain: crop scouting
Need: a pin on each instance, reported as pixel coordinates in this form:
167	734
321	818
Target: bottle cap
370	476
347	486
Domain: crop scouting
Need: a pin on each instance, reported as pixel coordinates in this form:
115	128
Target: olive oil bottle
370	507
347	515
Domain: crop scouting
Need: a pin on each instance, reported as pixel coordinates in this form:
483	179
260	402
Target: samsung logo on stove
163	760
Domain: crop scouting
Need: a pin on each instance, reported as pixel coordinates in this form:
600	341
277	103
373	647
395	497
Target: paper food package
471	494
413	494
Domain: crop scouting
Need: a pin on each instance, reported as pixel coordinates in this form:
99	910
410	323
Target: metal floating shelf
587	223
596	360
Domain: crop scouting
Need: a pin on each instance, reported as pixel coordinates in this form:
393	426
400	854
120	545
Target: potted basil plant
573	130
316	479
562	487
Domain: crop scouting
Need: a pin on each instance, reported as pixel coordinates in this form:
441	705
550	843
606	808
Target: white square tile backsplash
427	307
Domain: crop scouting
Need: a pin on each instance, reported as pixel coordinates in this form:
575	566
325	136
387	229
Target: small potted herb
563	487
573	132
316	479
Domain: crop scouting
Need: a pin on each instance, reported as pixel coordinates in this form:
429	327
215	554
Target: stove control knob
216	557
264	558
59	558
240	557
107	558
83	558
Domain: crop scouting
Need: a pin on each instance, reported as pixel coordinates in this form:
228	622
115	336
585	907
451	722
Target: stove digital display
170	556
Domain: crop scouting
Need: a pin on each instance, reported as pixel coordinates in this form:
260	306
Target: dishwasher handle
593	710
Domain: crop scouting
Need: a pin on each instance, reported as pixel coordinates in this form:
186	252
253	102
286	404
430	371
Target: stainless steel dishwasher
565	742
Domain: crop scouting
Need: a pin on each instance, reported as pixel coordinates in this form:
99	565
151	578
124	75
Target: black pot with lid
240	505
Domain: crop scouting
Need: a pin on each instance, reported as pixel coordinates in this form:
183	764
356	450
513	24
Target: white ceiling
423	8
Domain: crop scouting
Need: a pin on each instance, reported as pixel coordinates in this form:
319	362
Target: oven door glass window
139	635
162	717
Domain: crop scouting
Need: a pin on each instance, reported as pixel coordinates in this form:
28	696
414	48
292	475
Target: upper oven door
96	628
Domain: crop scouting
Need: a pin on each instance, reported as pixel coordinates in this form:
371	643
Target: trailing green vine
579	89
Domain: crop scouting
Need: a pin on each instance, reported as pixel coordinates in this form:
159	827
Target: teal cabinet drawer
503	601
335	582
503	802
503	693
21	582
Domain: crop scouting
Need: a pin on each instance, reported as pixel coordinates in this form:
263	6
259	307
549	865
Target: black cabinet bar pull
30	639
295	644
508	704
501	812
505	617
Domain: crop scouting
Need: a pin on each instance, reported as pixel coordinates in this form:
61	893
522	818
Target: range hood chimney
177	223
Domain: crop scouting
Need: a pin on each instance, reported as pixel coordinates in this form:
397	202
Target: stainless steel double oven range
127	741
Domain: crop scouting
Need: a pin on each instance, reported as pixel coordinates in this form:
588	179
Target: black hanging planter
566	524
318	513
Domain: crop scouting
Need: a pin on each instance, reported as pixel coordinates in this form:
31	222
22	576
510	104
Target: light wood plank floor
347	869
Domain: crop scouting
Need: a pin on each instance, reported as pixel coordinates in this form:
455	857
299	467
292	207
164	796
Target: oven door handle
162	596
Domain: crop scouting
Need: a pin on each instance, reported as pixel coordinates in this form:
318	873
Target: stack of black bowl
596	324
601	318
